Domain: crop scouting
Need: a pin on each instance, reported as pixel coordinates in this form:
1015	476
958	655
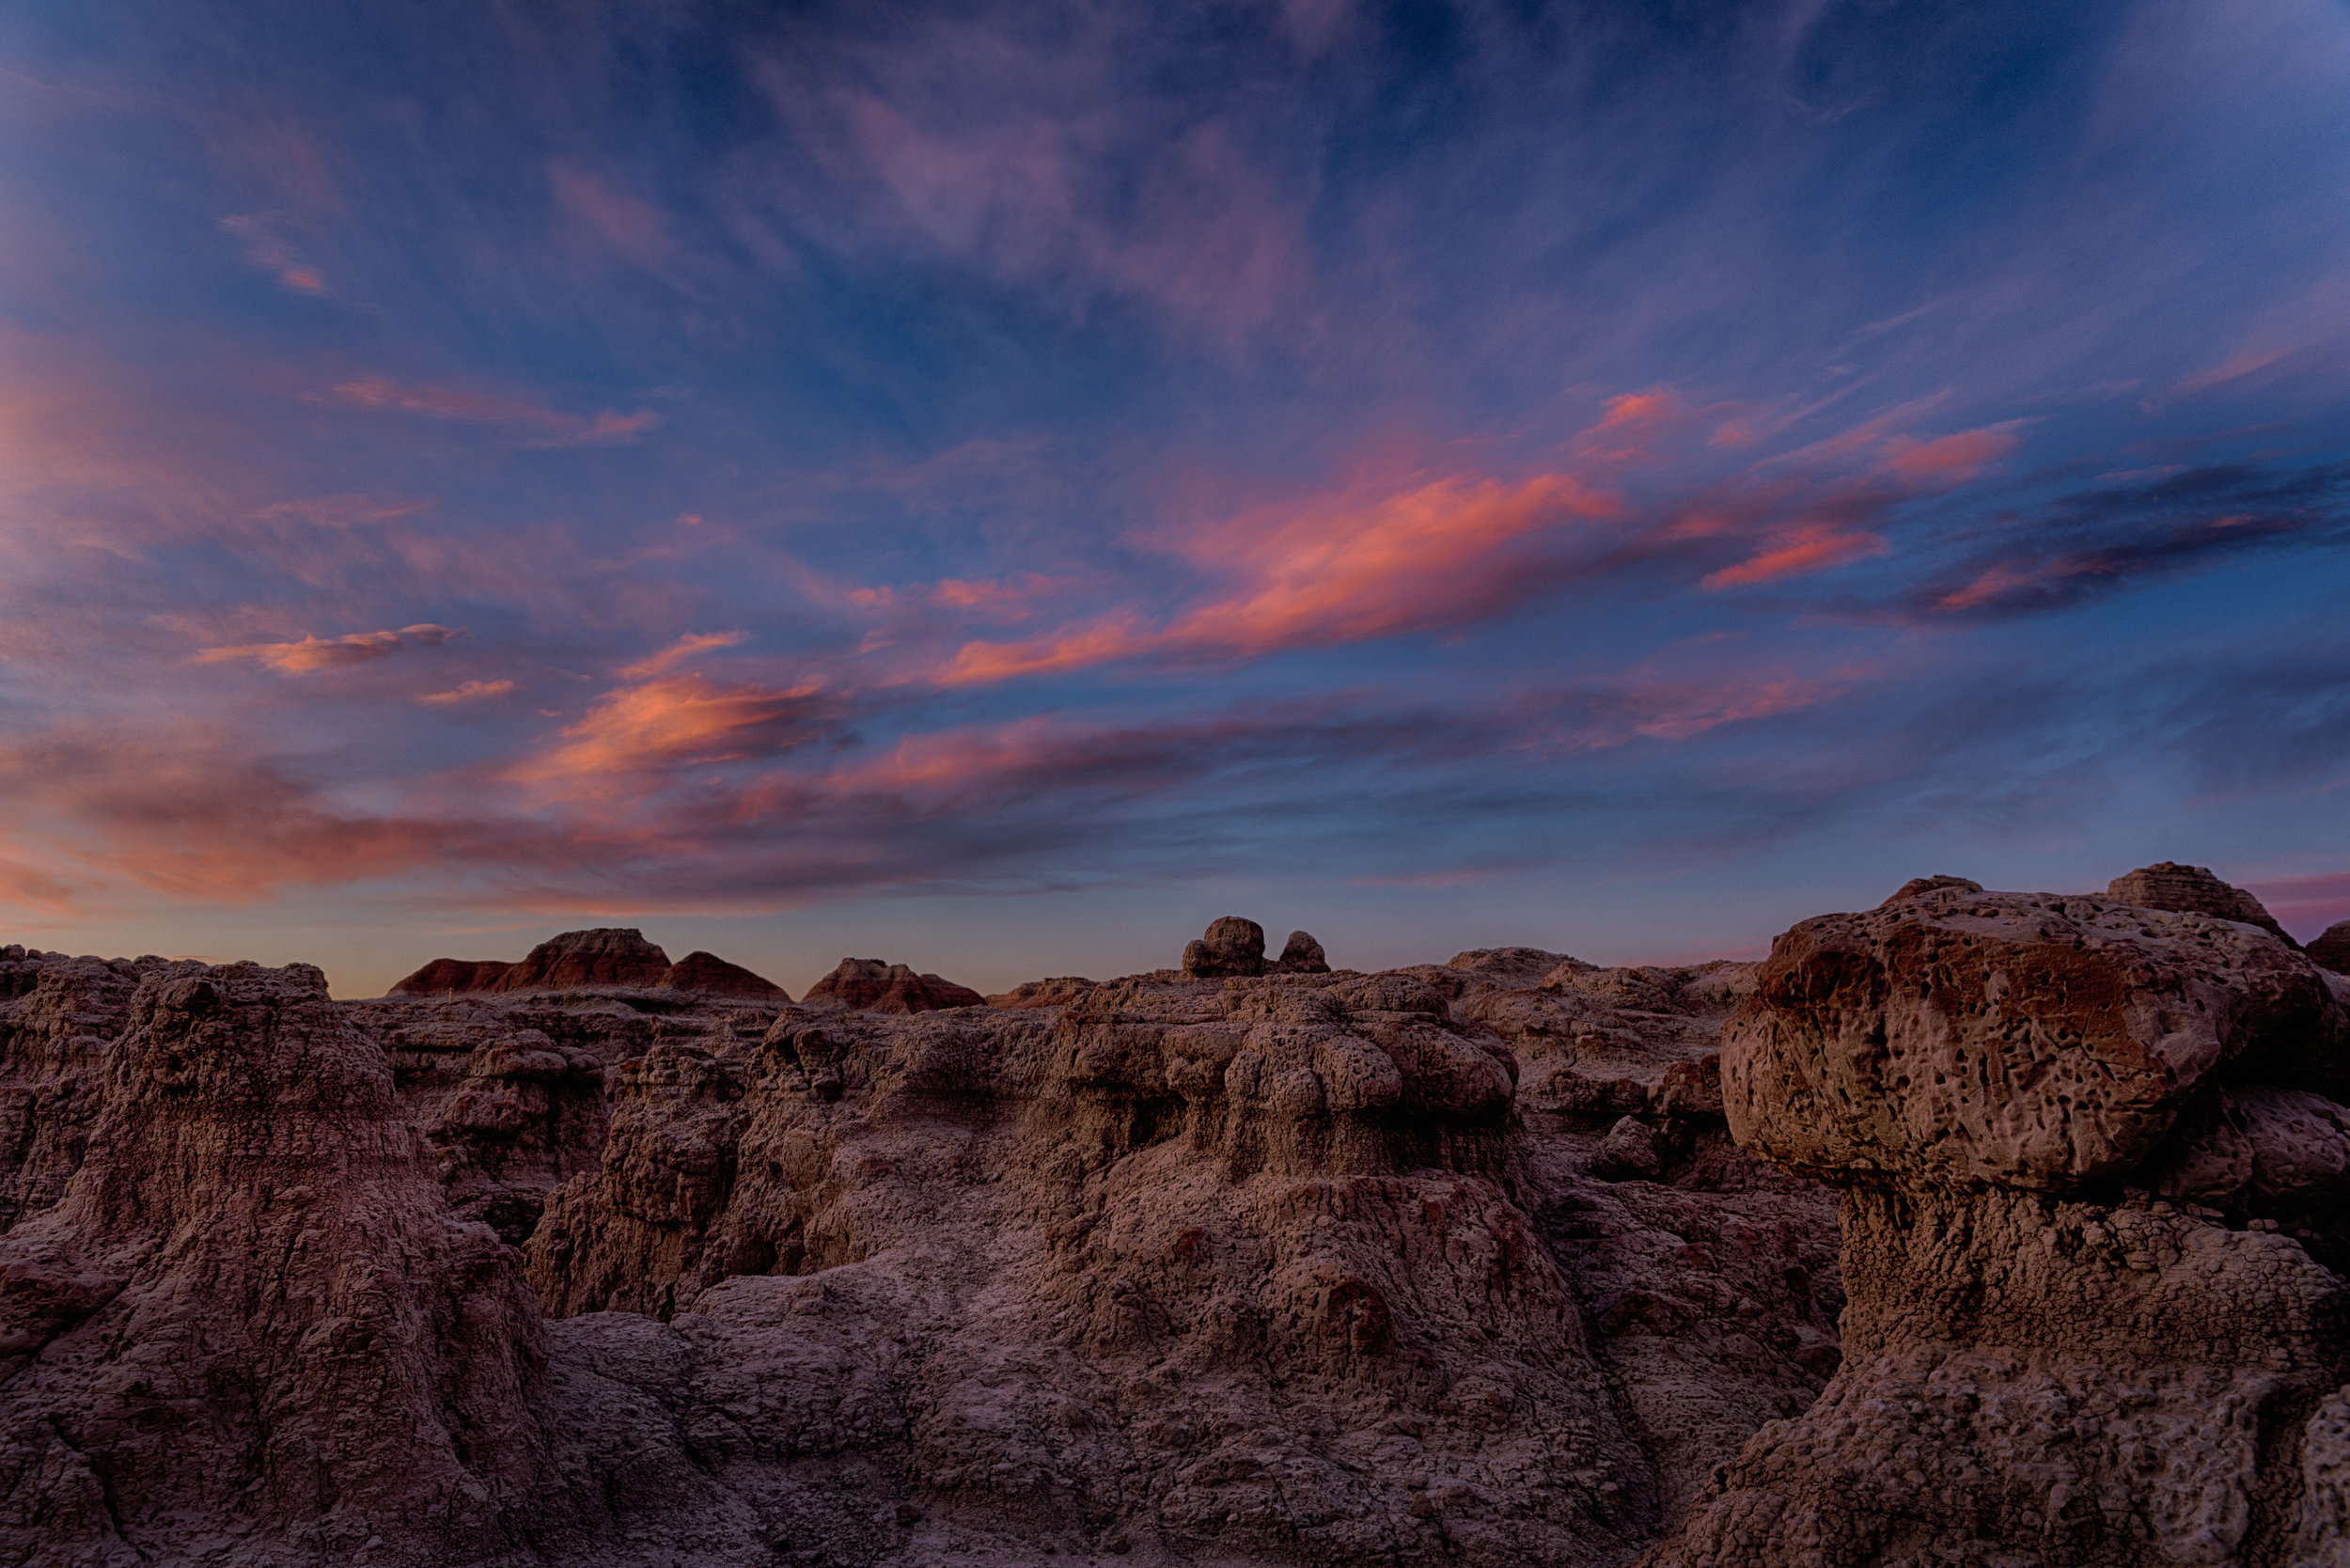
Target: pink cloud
555	429
310	655
1812	548
469	691
1952	458
270	252
1334	570
684	647
2306	904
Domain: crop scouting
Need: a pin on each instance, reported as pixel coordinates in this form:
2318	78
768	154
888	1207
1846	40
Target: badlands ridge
1976	1229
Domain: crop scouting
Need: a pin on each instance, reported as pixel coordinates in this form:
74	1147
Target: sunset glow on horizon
994	487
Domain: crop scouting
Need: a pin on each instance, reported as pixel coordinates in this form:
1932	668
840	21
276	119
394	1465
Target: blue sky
996	487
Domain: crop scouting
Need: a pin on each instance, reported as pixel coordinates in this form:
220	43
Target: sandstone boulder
872	985
2045	1360
1300	955
1231	947
444	976
714	975
607	955
2193	890
2331	951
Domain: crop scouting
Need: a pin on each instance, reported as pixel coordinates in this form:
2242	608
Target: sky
996	487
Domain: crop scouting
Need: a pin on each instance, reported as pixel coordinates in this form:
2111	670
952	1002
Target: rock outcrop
1917	884
447	975
1451	1264
2331	951
1059	991
247	1325
2092	1158
872	985
713	976
2193	890
1232	946
1300	955
607	955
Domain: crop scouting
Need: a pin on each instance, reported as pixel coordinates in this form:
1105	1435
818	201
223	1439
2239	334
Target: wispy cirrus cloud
467	690
545	427
308	655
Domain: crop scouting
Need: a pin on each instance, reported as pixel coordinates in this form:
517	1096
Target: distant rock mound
872	985
1059	991
1530	964
1232	946
444	975
2193	890
2332	950
607	955
1301	955
714	975
1917	884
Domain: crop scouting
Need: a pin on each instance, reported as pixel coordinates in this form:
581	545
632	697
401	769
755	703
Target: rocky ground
594	1258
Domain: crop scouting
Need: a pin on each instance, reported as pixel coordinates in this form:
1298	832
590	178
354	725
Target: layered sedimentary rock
714	975
872	985
2193	890
2092	1162
1057	991
246	1325
447	976
1457	1264
607	955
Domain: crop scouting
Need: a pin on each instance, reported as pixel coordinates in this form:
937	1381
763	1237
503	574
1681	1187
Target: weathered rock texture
1268	1269
2331	951
1450	1264
608	955
714	975
2193	890
1232	946
2092	1168
870	985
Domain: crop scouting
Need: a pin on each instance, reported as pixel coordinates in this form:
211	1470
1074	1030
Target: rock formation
714	975
1301	955
1450	1264
607	955
2091	1158
1917	884
1231	947
870	985
2331	951
445	975
2193	890
1056	992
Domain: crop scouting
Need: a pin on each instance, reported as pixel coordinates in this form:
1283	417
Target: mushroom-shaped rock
1300	955
2093	1166
872	985
444	975
714	975
607	955
2332	950
2193	890
2029	1040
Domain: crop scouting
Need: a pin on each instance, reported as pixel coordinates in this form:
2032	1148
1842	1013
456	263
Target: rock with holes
2076	1333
